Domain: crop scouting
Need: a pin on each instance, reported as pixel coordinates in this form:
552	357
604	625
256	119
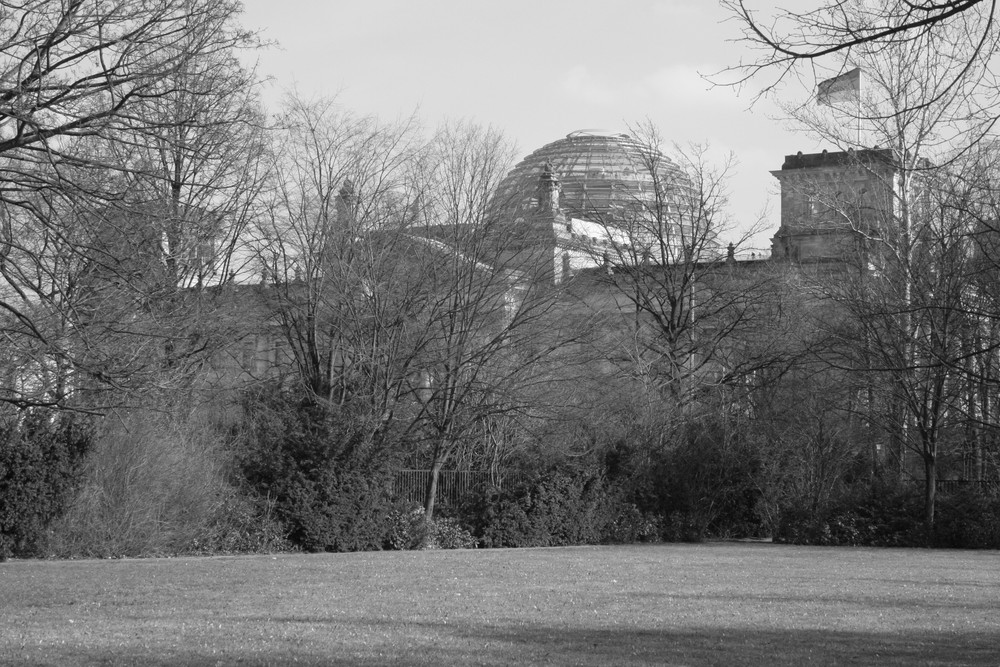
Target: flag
843	88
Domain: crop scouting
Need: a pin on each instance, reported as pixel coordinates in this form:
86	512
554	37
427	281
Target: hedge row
291	475
892	516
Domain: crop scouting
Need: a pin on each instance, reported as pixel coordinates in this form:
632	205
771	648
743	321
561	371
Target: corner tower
830	201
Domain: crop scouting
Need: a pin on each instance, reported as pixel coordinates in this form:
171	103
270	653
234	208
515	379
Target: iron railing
955	485
453	486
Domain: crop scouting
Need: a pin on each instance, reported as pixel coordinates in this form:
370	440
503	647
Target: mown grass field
710	604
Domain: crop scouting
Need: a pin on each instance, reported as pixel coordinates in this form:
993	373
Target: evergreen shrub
410	531
329	480
243	525
870	513
40	468
407	529
448	533
703	484
968	519
562	506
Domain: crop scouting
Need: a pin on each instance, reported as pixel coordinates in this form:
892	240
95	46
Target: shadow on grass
716	646
953	605
377	642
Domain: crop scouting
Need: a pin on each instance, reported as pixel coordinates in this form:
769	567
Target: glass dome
601	172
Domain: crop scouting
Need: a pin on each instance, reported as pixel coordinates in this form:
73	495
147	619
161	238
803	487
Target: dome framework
602	174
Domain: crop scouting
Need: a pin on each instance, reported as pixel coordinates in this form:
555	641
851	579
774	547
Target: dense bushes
331	509
330	477
156	483
710	484
638	488
410	531
969	519
40	460
559	507
876	513
705	483
326	472
292	474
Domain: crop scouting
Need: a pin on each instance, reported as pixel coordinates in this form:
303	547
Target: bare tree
400	295
81	76
972	195
907	320
902	316
193	152
330	252
833	35
194	169
488	325
682	301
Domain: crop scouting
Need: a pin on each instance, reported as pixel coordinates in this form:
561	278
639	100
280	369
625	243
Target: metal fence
955	485
452	488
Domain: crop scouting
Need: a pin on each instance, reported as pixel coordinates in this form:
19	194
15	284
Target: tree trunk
930	495
979	460
898	437
431	497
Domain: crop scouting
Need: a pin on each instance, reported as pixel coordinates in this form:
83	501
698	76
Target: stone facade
830	201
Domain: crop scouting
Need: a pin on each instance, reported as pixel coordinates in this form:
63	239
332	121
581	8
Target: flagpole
857	99
841	88
857	117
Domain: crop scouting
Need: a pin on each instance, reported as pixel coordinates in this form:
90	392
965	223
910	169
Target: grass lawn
710	604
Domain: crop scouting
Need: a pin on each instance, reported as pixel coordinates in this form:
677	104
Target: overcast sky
536	70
